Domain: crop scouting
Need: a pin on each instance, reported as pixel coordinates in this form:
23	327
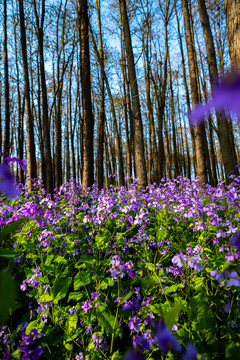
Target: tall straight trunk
186	89
232	10
116	131
226	147
198	129
72	127
88	121
153	171
46	131
41	140
125	107
175	152
20	112
6	81
139	157
0	111
100	139
31	153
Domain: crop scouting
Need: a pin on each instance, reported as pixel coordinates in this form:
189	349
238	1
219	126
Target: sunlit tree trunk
114	118
223	131
153	171
46	132
232	10
125	107
6	80
100	139
198	129
31	152
88	121
139	157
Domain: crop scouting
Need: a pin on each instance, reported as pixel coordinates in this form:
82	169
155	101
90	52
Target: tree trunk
232	10
6	81
223	131
201	170
100	139
88	121
139	157
31	153
46	132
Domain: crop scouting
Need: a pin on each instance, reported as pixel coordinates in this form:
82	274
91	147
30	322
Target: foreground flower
165	340
7	182
133	355
191	353
226	96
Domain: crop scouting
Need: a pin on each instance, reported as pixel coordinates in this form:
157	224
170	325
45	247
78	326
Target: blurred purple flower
226	95
191	353
7	182
165	340
133	355
235	241
233	279
20	162
144	341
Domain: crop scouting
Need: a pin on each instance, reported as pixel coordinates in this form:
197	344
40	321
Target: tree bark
6	81
31	152
46	131
88	121
139	156
232	10
201	170
223	131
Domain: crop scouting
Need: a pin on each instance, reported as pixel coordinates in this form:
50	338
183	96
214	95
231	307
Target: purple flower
134	324
97	339
88	328
225	96
165	340
235	241
191	353
133	355
7	182
144	341
86	306
233	279
79	356
94	295
72	310
22	163
216	275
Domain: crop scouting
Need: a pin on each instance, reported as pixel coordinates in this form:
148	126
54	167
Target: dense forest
98	91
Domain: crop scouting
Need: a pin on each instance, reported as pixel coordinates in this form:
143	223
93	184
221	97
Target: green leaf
72	323
11	228
60	260
126	297
116	356
150	266
108	322
81	279
75	296
232	351
7	295
170	318
60	289
7	253
34	325
172	288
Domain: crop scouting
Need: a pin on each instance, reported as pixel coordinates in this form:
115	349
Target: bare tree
88	121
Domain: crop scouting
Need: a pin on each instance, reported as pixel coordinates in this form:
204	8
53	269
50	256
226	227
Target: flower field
121	273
